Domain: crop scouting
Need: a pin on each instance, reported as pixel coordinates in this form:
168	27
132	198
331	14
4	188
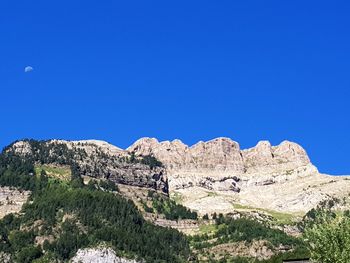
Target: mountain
87	201
212	176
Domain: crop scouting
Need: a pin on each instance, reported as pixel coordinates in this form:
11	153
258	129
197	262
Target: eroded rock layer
220	164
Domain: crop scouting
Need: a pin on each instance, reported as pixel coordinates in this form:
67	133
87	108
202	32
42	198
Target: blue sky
193	70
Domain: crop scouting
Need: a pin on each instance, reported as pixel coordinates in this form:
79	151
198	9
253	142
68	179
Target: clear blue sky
193	70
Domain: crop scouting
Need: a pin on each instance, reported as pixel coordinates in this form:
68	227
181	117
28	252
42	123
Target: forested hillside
64	215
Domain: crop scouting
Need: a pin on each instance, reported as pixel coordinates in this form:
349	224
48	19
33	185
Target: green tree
329	238
28	254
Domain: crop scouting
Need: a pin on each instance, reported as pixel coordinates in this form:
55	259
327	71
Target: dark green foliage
27	254
16	171
108	185
151	193
243	229
206	217
105	218
92	185
70	240
77	182
147	208
230	230
298	253
113	219
149	160
316	216
20	239
97	216
220	219
171	209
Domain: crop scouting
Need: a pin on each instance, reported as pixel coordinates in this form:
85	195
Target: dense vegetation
147	159
80	217
68	215
169	208
229	230
71	216
328	234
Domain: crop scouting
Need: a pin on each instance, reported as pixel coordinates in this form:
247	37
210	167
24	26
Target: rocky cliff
95	159
220	164
217	176
99	255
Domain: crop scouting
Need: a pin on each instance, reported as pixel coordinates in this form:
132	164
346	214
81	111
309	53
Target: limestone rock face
266	158
221	154
98	255
220	164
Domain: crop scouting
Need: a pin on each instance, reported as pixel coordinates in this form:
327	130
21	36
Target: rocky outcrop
266	158
221	154
258	249
95	159
220	163
12	200
99	255
5	258
217	175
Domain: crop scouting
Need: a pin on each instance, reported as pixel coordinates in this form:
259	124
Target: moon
28	69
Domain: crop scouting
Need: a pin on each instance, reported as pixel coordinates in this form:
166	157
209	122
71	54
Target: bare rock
99	255
219	154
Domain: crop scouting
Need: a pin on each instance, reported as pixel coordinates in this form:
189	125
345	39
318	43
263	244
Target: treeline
229	230
243	229
169	208
149	160
17	171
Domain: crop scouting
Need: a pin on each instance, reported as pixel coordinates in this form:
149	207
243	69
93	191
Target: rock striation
218	176
220	164
94	159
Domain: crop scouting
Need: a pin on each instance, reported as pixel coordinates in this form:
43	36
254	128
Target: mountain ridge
214	175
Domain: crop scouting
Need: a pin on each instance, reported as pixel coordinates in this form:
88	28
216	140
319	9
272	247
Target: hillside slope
87	197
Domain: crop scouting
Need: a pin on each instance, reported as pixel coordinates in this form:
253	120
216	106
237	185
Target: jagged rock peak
291	149
146	142
223	154
221	142
285	149
263	145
